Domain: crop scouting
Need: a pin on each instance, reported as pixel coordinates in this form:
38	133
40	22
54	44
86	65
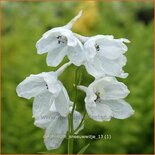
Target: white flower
59	42
47	90
104	99
56	127
104	55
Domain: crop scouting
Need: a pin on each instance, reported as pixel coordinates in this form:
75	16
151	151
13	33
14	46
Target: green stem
70	118
70	139
76	82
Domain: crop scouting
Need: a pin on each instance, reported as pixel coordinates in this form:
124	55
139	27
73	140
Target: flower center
62	39
97	47
98	99
46	86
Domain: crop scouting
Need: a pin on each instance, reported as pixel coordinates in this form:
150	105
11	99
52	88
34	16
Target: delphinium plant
103	57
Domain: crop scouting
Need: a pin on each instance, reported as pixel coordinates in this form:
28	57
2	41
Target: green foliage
25	22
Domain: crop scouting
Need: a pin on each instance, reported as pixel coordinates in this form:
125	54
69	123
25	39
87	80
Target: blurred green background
23	23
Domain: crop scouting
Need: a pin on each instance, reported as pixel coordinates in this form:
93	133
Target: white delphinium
47	90
104	55
104	99
56	126
103	58
59	42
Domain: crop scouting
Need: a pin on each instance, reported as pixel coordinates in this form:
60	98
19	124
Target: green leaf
83	149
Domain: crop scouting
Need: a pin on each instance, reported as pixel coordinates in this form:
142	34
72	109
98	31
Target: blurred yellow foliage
88	18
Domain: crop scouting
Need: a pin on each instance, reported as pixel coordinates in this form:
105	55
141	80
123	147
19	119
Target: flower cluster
103	57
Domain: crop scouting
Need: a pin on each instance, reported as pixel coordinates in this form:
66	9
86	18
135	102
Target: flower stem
70	139
70	118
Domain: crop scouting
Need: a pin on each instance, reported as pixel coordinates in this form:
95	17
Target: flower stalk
71	125
103	58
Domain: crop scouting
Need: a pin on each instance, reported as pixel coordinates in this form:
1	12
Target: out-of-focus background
23	23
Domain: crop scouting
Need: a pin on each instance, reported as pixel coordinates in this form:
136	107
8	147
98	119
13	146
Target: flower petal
93	68
71	40
43	120
90	45
55	132
90	49
120	108
110	67
42	103
55	57
62	102
101	66
31	86
112	48
47	43
121	60
100	112
77	117
76	54
52	83
110	89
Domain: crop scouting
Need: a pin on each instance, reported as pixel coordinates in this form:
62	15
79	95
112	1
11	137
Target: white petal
121	60
100	112
71	40
76	54
42	103
62	102
90	44
54	86
120	108
111	67
43	120
31	86
90	49
110	89
94	68
77	117
112	48
47	44
53	108
56	56
54	32
55	133
99	38
102	66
